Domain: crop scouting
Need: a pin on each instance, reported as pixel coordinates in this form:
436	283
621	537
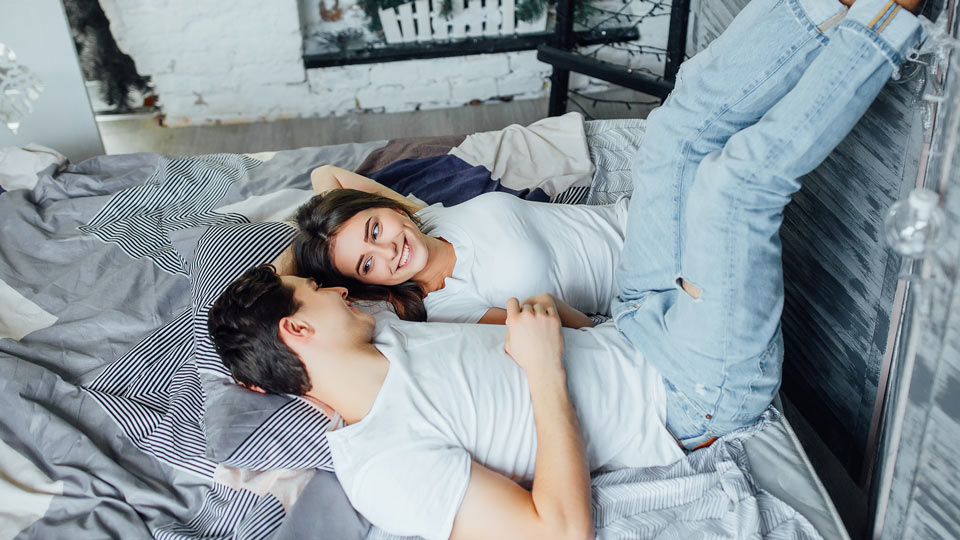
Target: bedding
120	422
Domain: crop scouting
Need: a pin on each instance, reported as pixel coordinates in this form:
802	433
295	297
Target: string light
632	49
597	100
655	9
586	113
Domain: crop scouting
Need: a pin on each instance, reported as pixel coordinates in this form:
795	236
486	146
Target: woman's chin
413	270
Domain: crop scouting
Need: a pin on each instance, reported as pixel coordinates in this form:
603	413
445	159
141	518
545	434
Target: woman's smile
404	255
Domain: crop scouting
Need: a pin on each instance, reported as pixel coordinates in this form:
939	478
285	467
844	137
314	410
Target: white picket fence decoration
421	20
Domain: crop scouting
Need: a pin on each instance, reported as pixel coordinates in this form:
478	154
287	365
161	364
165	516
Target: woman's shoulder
431	216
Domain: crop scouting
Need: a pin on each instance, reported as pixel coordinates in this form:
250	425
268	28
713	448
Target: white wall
240	61
62	119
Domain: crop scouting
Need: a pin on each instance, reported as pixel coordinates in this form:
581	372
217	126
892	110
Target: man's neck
350	384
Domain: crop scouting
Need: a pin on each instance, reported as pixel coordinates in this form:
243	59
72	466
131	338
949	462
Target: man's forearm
561	483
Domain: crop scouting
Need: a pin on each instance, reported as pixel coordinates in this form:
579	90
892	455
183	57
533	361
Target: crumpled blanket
708	494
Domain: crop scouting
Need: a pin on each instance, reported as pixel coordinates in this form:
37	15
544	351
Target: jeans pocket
685	418
622	308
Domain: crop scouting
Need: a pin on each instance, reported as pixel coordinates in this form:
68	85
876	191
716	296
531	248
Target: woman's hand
328	177
533	339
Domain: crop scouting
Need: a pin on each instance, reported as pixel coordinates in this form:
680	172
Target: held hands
534	340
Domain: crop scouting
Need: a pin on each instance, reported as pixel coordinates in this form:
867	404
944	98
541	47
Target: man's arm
559	504
327	177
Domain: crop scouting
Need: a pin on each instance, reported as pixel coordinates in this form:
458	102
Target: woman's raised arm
327	177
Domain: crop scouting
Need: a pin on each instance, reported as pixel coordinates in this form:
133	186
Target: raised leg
721	353
720	91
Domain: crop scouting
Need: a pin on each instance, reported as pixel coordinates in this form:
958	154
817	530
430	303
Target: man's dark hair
244	325
320	219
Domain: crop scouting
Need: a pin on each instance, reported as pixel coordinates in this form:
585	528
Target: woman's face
381	246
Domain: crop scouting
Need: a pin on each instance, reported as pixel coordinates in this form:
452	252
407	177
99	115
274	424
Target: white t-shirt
507	246
452	394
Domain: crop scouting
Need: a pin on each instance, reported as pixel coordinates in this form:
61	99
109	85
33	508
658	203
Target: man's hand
558	504
534	340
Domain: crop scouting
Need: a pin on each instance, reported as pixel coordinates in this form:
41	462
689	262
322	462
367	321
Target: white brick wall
241	61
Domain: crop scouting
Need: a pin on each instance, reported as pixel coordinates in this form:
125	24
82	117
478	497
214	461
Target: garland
100	57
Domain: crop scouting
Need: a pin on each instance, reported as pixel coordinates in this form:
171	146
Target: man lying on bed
443	420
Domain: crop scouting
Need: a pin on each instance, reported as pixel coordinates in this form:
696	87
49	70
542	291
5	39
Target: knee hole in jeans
689	288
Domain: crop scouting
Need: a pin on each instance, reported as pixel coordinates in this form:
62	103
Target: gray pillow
246	429
337	520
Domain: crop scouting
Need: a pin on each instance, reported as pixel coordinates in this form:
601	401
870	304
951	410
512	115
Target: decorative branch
100	57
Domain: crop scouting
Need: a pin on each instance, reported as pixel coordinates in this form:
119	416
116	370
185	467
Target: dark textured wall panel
839	277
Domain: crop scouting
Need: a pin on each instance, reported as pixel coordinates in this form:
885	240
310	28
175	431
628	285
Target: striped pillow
246	429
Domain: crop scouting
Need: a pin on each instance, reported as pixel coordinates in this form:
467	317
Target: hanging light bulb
913	225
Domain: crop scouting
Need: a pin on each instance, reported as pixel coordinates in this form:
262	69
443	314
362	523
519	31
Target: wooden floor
123	135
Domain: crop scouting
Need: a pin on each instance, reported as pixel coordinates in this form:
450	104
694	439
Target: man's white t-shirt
509	247
452	394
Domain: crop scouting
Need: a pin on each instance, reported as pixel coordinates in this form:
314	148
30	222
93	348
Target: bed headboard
843	304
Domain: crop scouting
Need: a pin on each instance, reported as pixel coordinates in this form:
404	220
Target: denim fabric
760	107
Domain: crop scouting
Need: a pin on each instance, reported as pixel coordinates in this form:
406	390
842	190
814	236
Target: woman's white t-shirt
509	247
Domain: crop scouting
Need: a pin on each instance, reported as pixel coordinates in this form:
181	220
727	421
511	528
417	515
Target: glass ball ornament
914	225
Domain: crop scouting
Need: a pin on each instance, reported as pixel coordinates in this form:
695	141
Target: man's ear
253	387
291	327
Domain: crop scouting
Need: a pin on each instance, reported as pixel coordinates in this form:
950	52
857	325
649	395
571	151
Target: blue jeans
762	106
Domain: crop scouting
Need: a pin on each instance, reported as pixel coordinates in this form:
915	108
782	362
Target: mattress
780	466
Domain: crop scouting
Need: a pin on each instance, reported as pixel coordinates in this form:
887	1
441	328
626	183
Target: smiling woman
462	263
367	221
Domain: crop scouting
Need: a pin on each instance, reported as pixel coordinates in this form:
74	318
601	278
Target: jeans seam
744	95
759	374
873	37
727	295
804	19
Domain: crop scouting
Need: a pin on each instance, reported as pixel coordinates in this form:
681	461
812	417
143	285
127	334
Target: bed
119	421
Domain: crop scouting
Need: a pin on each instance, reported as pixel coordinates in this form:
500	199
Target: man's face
329	313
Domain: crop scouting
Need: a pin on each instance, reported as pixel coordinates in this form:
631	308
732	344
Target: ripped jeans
762	106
